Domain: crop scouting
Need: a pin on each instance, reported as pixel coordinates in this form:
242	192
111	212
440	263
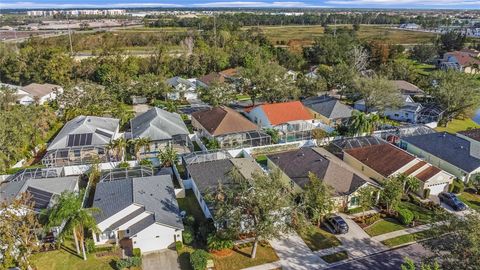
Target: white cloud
257	4
30	5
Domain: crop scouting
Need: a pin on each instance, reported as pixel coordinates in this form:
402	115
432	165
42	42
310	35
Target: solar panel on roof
79	139
40	198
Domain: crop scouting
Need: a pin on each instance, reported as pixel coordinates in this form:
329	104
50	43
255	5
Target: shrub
128	262
458	186
372	219
405	216
214	242
178	246
89	245
199	259
450	187
123	165
146	162
137	252
426	193
189	220
187	235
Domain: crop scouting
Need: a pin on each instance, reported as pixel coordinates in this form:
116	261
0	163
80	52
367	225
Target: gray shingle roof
174	81
158	124
334	172
328	107
448	147
101	128
155	193
39	188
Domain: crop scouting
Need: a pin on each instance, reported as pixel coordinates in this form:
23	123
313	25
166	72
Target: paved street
386	260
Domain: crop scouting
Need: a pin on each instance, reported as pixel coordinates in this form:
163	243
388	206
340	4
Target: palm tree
109	147
69	209
363	123
119	145
139	144
168	156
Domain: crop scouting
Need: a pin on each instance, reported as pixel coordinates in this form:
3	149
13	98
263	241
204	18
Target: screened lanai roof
126	173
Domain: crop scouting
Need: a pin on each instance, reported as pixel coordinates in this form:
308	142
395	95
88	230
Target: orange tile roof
428	173
279	113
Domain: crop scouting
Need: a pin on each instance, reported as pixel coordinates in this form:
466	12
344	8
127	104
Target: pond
476	117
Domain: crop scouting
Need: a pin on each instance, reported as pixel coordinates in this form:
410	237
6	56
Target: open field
307	33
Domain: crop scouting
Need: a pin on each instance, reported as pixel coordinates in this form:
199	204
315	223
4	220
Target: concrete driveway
461	214
162	260
357	242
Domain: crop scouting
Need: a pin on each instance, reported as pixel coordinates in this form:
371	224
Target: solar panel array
40	198
79	139
103	133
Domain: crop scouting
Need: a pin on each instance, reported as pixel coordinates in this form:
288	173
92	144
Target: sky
411	4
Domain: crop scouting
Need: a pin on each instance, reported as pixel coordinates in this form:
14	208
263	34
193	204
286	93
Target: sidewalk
386	236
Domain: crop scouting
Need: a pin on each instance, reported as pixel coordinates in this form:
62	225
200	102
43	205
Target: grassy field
458	125
408	238
240	259
335	257
67	259
472	200
384	226
307	33
317	239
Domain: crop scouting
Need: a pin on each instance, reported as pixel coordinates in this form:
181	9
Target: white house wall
156	237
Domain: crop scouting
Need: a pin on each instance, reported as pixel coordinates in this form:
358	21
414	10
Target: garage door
436	189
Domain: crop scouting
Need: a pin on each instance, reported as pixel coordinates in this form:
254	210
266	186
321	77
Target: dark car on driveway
451	200
337	224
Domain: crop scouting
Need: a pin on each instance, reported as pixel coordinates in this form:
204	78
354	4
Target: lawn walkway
389	235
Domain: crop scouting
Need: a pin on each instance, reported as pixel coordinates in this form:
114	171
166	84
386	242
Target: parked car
337	224
451	200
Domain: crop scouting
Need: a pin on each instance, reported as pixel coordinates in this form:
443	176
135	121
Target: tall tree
261	207
366	198
69	209
457	92
18	232
423	52
218	93
317	199
168	156
391	193
362	123
450	41
378	93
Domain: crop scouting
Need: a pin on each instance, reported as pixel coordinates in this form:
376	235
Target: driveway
164	260
357	242
461	214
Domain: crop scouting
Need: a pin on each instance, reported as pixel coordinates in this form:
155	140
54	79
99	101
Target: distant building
329	110
410	26
466	61
182	88
37	93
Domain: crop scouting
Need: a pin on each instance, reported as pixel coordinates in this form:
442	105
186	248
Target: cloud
30	5
257	4
410	3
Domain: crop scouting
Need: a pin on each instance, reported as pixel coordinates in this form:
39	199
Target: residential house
139	212
182	88
408	112
328	110
457	154
410	26
83	140
204	177
37	93
382	161
163	129
464	61
209	79
297	164
228	127
285	116
407	88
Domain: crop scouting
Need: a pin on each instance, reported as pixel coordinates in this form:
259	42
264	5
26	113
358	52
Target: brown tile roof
464	59
383	158
212	77
471	133
223	120
231	72
40	90
414	168
428	173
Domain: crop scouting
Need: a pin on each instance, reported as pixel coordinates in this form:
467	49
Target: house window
354	201
128	231
156	146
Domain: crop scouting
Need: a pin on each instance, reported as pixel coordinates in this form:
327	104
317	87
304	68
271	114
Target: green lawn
424	215
66	259
458	125
240	259
190	205
242	97
356	210
317	239
335	257
384	226
408	238
472	200
262	160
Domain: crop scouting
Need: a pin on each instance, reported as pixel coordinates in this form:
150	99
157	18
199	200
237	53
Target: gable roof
101	129
407	88
223	120
208	174
454	150
329	107
42	190
280	113
464	59
40	90
211	77
174	81
385	159
158	124
154	193
297	164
